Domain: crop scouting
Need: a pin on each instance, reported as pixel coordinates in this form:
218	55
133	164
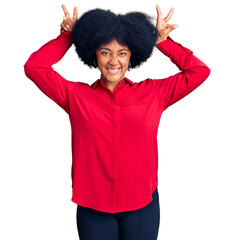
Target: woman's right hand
68	22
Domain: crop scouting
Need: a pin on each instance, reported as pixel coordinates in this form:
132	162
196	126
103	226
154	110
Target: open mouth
113	70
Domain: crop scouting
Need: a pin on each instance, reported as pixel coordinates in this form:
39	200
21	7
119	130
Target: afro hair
98	26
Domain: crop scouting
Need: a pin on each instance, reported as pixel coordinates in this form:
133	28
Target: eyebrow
110	50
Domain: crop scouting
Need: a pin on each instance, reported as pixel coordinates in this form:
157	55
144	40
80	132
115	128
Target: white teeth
113	70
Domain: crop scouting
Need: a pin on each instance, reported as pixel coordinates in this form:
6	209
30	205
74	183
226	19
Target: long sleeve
39	69
193	72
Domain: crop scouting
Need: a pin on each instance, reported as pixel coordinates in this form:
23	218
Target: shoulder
71	85
149	82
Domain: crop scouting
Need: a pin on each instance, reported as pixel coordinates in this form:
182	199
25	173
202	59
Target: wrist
159	39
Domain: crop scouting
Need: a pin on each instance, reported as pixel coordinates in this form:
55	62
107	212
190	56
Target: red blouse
114	134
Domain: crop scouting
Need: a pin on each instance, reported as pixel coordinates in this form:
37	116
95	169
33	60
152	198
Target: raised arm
39	69
193	70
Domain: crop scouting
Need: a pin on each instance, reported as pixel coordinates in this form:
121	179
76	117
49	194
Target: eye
122	53
104	53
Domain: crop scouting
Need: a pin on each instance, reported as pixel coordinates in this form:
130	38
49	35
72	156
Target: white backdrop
195	137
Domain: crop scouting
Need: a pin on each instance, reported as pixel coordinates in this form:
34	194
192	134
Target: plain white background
195	137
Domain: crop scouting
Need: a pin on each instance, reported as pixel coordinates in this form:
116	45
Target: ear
129	66
95	64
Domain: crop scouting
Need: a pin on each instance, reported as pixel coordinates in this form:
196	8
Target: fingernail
64	18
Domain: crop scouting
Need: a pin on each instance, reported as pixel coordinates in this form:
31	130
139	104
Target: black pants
140	224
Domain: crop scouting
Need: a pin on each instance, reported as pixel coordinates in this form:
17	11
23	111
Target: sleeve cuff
65	32
167	45
168	38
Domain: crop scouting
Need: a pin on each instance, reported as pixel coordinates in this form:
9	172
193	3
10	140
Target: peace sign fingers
159	12
163	27
66	13
168	17
68	22
75	14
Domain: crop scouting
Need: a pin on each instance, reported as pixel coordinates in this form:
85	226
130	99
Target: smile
113	70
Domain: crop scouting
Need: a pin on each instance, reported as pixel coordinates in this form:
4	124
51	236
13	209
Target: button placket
113	99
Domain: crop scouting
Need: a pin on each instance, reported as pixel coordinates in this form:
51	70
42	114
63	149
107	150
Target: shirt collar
99	80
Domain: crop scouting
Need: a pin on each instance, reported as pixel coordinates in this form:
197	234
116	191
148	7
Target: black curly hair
98	26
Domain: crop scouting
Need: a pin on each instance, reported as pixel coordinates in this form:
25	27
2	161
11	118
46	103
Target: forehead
113	44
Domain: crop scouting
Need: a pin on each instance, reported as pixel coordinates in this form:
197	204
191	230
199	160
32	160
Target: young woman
114	121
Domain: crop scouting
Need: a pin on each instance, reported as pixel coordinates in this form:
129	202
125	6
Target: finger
75	14
175	25
168	17
170	28
65	11
68	23
159	12
63	26
66	26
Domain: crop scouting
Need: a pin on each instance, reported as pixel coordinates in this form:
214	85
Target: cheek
127	62
101	62
100	58
103	59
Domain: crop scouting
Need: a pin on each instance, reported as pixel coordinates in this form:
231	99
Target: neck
111	85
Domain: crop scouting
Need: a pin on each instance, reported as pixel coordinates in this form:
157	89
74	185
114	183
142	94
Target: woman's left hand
162	26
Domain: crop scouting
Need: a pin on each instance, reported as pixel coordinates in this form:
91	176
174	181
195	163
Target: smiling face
113	61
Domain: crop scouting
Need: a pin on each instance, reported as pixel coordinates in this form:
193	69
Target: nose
113	59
